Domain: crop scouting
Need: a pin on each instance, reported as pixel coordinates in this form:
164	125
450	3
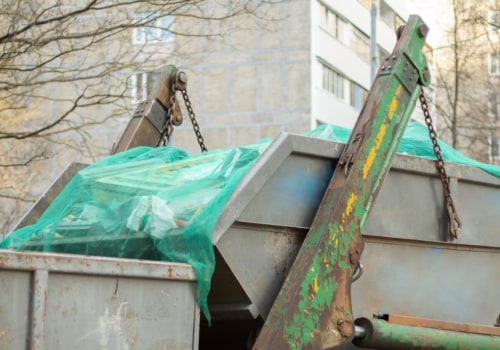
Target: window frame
494	20
148	80
494	148
159	30
343	88
494	105
358	96
333	82
332	22
494	63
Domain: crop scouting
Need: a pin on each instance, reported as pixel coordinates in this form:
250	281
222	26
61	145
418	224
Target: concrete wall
253	82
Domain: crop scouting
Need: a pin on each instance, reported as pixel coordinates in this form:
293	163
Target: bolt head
427	74
345	328
182	77
423	30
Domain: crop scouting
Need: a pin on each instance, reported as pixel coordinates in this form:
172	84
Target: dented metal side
61	301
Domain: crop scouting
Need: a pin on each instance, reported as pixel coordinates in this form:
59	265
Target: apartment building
289	67
286	66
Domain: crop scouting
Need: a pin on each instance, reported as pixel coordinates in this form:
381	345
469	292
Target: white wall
326	107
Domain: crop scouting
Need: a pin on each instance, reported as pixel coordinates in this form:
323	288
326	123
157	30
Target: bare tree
465	83
66	68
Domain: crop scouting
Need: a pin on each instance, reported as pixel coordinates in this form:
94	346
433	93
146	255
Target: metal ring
358	271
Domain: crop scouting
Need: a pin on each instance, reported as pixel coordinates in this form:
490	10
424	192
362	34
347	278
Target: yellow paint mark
350	204
394	102
381	133
369	162
315	285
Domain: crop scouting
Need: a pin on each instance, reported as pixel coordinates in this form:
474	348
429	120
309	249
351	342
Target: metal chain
169	128
192	116
455	223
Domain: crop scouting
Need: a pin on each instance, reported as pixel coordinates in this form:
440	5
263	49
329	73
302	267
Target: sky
427	10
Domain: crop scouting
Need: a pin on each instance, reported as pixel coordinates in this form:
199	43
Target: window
494	105
333	82
344	88
390	17
360	43
494	149
331	22
358	96
152	31
494	63
494	20
143	85
345	32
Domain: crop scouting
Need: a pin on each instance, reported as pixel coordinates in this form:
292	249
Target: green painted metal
383	335
313	309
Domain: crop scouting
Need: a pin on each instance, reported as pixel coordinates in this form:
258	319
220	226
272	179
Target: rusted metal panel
403	236
32	215
383	335
79	264
433	280
38	308
449	326
55	301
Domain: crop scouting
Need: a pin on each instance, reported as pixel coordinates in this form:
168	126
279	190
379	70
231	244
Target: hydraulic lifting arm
313	309
154	118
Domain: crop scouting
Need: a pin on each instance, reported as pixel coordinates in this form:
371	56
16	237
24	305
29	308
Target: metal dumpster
57	301
410	266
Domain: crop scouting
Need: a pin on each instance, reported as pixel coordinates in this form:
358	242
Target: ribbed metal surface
59	302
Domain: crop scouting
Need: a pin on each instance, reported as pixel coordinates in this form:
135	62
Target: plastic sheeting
145	203
415	142
163	204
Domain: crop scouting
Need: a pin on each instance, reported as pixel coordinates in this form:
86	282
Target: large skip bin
410	266
60	302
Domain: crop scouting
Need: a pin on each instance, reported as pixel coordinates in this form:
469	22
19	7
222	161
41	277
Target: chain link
455	223
169	128
192	116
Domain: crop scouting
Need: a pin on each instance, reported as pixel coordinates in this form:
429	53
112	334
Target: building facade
297	65
283	66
